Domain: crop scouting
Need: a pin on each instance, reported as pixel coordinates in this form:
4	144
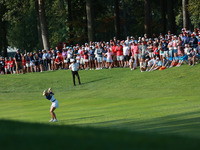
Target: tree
90	20
193	8
163	14
43	24
171	17
117	19
147	17
3	25
38	25
185	13
70	21
124	16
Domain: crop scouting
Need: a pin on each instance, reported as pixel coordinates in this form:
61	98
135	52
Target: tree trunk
4	39
147	17
70	22
4	43
163	14
171	17
90	20
43	25
117	19
124	15
185	14
38	25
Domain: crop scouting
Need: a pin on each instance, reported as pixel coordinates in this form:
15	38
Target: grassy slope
159	108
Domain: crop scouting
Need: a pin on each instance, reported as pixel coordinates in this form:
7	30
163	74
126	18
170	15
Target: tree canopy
67	20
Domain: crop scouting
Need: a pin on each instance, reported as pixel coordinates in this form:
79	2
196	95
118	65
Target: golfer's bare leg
53	115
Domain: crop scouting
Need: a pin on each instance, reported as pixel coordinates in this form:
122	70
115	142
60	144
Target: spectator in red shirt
113	47
6	65
11	65
120	56
59	54
58	62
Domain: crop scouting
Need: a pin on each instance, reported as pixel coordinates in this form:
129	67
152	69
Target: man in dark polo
74	69
18	62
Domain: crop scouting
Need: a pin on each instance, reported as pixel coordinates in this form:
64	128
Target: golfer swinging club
49	95
74	69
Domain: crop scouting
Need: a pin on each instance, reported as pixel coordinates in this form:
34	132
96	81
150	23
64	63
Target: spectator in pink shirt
109	58
135	52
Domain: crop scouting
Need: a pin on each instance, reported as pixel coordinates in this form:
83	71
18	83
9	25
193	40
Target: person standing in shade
74	68
18	62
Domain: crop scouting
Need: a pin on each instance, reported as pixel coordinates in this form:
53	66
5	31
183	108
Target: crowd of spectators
148	54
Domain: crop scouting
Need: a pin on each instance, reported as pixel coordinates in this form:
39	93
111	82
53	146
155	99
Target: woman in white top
49	95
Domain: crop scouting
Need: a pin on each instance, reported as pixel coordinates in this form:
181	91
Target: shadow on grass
23	136
184	124
100	79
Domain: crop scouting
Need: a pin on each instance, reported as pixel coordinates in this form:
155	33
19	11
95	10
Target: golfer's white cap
45	91
73	60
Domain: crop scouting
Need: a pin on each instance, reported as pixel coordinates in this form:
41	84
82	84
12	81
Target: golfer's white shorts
55	104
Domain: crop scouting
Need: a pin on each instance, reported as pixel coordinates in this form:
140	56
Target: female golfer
49	95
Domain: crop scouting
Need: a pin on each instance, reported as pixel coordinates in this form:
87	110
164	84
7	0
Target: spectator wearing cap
175	44
198	51
59	54
11	64
6	65
126	52
58	63
191	57
44	58
64	55
128	41
2	65
36	59
150	48
105	50
193	41
18	62
185	39
170	48
74	68
85	59
82	58
32	62
40	60
165	47
53	57
91	57
114	57
99	52
28	59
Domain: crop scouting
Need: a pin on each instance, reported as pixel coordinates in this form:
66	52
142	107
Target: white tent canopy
11	50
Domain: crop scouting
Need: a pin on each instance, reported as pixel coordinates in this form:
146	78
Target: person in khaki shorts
18	62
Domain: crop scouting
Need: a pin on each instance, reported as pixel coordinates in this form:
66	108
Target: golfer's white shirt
74	66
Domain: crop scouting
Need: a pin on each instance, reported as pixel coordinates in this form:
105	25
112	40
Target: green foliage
194	10
22	22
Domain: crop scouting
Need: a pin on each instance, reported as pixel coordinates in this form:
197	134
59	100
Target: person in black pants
74	69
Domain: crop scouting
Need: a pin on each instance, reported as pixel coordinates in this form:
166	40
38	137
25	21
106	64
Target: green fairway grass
112	109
